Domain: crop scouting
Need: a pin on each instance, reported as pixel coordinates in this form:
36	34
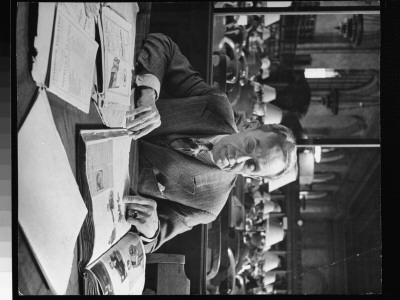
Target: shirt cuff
149	240
149	80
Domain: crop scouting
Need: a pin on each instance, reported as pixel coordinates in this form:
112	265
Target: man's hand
142	213
145	118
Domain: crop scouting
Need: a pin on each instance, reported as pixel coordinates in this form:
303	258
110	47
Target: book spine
90	285
86	235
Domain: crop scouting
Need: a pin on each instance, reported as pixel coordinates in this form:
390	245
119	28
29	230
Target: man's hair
286	141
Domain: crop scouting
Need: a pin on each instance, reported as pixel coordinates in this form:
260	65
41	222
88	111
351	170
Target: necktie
191	146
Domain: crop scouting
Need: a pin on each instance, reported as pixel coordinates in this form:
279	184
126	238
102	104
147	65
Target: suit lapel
192	116
184	170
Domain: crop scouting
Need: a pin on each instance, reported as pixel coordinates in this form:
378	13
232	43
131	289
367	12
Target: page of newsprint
117	34
72	61
121	270
78	12
107	172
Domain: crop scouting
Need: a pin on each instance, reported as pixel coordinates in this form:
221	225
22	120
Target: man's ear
249	125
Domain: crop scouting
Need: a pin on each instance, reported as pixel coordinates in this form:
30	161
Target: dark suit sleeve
162	58
175	219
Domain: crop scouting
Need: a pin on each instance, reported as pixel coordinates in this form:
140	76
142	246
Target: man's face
249	152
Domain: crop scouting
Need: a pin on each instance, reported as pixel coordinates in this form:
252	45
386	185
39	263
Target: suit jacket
194	192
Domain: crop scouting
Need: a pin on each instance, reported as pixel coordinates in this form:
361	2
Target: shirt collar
216	138
213	140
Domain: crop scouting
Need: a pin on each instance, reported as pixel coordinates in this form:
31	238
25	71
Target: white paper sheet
43	41
72	61
50	207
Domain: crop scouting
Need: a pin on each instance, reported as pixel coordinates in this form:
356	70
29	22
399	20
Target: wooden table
68	121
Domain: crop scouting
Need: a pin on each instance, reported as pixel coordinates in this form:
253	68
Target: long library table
68	120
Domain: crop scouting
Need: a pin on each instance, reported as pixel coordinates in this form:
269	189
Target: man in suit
190	148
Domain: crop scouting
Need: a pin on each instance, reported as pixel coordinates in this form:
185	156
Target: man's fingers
141	133
143	216
139	207
138	128
142	118
136	111
138	214
145	131
143	125
139	200
145	209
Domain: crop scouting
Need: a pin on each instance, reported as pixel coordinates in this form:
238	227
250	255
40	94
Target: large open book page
50	207
72	61
121	270
107	172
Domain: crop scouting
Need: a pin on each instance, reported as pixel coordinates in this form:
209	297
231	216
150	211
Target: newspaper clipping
72	61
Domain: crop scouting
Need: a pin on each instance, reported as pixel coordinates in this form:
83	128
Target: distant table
226	238
68	121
